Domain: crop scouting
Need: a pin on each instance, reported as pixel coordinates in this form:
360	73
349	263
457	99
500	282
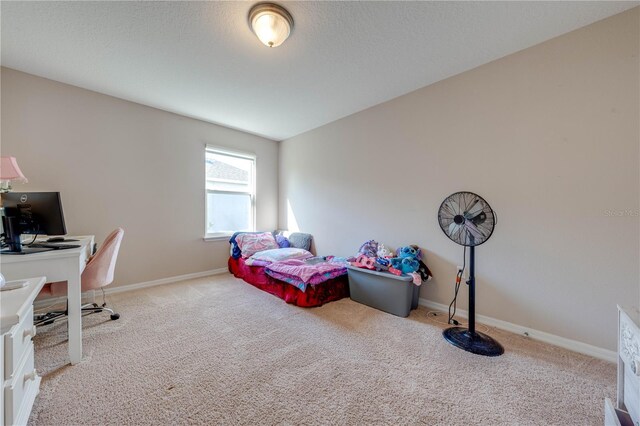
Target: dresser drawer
629	364
16	343
631	389
21	390
615	417
629	343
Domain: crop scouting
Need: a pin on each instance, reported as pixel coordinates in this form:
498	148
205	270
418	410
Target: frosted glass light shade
271	23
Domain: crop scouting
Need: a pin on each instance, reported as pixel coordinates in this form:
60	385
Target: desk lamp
9	172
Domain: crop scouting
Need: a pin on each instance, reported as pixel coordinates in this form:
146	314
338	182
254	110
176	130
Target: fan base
477	343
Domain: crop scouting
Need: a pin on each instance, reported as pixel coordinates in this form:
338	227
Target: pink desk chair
97	274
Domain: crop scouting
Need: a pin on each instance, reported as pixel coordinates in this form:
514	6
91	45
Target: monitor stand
12	231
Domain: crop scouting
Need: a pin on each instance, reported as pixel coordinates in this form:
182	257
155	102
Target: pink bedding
316	295
300	273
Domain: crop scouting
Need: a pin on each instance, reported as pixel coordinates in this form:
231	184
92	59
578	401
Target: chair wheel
115	316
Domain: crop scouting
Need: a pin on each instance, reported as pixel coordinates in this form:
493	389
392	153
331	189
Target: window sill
218	238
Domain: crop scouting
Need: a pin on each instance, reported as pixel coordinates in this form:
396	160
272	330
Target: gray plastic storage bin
390	293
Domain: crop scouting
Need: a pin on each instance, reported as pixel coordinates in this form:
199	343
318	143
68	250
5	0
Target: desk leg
74	298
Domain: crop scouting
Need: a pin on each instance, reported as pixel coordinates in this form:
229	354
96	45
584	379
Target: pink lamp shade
9	170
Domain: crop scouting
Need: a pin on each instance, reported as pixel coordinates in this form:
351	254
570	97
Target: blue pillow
283	242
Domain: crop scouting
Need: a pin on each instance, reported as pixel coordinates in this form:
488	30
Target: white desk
19	381
57	265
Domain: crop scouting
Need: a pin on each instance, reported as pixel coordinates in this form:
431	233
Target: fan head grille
466	218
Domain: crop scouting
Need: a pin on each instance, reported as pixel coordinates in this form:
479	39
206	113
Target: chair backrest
99	270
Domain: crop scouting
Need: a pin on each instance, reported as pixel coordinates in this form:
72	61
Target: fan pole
472	289
468	338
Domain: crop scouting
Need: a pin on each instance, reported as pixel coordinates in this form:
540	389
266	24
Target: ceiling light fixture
271	23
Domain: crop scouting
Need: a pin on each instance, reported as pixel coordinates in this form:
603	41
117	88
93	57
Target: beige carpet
218	351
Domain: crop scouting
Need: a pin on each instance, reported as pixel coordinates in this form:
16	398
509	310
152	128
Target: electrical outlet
464	272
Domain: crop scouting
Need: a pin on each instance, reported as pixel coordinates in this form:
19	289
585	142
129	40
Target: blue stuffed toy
409	251
408	259
407	264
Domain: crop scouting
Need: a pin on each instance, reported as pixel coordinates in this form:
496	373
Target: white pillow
275	255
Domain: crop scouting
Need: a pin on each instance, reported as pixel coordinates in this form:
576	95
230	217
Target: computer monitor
31	213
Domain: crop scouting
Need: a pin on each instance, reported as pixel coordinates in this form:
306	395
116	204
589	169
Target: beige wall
549	136
118	163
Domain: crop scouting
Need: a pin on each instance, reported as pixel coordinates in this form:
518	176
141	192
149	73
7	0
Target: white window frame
231	153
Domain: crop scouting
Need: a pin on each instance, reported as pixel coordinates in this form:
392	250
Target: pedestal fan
467	219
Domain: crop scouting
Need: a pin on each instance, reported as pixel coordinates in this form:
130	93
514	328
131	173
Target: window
231	195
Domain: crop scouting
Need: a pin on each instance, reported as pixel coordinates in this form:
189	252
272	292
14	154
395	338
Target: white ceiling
201	60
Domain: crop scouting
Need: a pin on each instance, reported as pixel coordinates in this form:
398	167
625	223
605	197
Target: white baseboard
562	342
542	336
162	281
89	295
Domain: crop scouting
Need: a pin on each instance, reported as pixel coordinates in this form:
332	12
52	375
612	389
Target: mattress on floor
315	295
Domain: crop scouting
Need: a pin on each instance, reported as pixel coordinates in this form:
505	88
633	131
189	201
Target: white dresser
627	408
19	382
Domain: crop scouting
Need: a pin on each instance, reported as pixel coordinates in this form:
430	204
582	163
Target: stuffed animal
408	259
409	251
422	270
369	249
383	251
409	265
405	264
395	262
418	251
